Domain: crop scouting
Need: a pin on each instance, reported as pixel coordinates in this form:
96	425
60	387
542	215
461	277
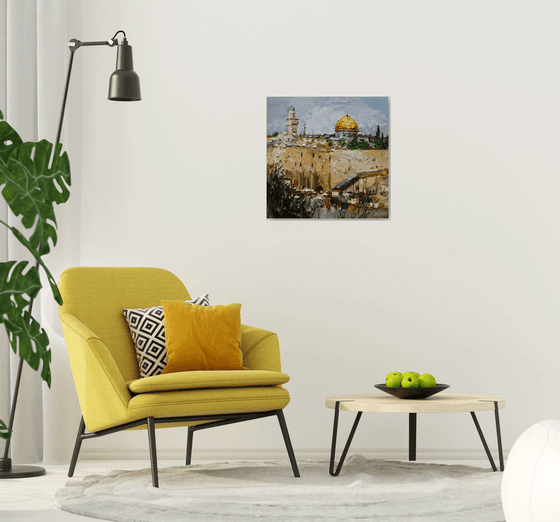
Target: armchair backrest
98	295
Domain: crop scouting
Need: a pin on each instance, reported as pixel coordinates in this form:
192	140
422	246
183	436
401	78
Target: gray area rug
267	491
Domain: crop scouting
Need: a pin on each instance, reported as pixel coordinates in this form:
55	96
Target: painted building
346	128
292	122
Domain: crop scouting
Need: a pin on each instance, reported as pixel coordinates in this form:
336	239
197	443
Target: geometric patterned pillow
148	334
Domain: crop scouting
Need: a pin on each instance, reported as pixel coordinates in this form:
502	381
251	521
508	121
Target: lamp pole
124	85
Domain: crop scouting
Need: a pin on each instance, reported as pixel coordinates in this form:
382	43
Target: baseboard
224	454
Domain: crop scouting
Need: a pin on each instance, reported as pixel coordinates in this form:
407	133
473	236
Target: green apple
393	380
409	380
426	381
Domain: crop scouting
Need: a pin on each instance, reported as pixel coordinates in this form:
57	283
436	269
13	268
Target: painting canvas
327	157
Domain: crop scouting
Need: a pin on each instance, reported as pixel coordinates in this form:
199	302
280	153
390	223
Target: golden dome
346	123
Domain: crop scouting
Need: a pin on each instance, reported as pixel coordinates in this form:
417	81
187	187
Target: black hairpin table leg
499	435
481	435
348	442
412	423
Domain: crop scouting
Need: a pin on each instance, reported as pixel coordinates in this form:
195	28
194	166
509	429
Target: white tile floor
31	499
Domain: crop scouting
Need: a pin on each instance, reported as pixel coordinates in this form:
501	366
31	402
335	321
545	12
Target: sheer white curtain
34	64
4	351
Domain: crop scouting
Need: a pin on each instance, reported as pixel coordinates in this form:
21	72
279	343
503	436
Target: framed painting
327	157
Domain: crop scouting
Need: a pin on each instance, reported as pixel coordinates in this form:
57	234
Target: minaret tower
292	122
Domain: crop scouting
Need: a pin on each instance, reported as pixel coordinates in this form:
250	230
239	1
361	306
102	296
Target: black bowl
412	393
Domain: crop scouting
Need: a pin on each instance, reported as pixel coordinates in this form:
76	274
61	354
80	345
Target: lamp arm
76	44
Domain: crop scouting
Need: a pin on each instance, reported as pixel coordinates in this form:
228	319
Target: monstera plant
32	180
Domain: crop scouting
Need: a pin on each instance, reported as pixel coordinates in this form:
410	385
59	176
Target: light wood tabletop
441	403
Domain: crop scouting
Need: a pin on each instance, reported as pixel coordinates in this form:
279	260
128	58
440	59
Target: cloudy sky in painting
321	114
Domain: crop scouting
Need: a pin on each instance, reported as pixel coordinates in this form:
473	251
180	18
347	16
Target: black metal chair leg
287	441
77	446
488	454
153	453
347	447
412	423
499	435
190	434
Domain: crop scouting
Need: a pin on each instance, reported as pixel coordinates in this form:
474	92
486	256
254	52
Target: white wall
462	281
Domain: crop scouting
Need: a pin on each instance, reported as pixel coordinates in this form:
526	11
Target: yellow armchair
104	365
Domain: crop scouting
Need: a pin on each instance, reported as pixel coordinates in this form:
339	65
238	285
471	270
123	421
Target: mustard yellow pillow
202	337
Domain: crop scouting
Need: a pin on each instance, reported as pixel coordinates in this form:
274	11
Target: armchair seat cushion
204	379
207	402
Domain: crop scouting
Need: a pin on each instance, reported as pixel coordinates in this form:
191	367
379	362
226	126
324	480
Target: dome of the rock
346	123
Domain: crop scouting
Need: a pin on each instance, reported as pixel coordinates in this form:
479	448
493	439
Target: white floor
31	499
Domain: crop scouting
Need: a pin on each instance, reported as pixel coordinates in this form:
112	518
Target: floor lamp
124	85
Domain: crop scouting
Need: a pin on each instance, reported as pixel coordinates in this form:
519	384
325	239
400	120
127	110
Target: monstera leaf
9	140
32	180
17	289
32	187
4	431
30	341
21	238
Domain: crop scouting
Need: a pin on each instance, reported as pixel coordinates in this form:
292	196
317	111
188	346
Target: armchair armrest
261	350
102	391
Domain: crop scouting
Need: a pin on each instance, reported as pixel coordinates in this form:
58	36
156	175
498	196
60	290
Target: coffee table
442	403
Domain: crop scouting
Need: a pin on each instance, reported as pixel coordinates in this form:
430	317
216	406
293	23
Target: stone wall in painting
321	168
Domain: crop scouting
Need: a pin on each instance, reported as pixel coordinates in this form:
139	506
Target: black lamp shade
124	84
